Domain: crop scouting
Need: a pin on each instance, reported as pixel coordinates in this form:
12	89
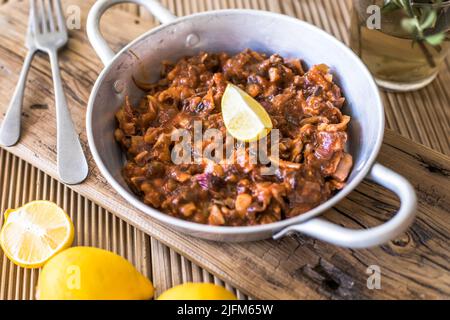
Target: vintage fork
10	128
50	35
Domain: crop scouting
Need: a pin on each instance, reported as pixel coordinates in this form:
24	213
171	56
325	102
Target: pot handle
330	232
98	9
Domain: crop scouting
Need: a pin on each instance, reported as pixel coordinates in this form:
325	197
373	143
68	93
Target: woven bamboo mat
422	116
20	183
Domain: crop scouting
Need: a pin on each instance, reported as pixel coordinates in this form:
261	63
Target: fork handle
10	128
71	162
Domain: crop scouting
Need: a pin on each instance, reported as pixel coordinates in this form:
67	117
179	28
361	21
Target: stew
304	105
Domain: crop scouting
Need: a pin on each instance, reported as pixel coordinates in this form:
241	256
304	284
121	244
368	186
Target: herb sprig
428	21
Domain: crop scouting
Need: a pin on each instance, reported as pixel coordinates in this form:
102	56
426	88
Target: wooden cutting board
415	265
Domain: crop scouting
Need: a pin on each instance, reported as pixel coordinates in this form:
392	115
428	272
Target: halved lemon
35	232
244	117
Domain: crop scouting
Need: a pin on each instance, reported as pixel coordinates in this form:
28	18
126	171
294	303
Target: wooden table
415	265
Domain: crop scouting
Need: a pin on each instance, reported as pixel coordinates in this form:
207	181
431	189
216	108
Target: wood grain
416	265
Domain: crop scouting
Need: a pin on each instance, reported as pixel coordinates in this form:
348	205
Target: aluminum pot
234	31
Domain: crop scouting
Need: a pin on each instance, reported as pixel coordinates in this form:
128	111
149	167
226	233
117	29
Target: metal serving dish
233	31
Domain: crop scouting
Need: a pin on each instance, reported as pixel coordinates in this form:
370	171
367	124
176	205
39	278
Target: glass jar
402	42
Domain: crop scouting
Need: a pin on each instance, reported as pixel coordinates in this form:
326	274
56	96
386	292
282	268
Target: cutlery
10	128
50	34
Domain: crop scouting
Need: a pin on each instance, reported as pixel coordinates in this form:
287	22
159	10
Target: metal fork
50	35
10	128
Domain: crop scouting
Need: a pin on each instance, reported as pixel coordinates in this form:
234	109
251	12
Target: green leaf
410	24
389	6
407	5
429	20
398	3
435	39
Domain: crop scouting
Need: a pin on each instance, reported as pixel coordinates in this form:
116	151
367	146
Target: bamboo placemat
20	182
422	116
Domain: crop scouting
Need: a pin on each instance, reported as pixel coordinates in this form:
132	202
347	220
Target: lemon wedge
35	232
244	117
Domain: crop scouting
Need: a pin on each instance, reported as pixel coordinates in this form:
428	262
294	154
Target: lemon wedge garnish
35	232
244	117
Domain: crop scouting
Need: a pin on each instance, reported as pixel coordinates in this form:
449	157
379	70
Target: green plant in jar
412	40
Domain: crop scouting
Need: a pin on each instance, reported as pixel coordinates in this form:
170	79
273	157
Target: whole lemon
197	291
86	273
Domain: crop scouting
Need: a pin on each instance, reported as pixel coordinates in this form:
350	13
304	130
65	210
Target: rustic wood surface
416	265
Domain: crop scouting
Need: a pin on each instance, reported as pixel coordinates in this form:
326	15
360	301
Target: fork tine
34	17
43	20
51	18
59	15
